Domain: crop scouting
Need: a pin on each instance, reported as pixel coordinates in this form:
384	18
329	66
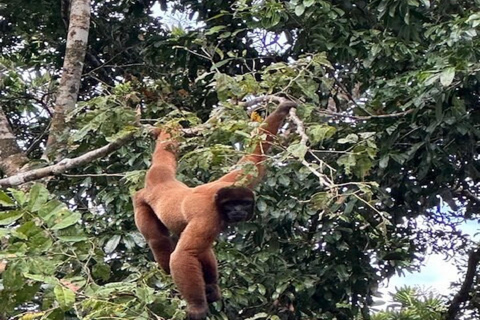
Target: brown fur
195	214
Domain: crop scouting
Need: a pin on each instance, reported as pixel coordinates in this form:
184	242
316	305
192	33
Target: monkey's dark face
235	203
237	210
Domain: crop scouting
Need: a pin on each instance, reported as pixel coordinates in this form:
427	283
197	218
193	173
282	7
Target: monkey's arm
164	162
269	128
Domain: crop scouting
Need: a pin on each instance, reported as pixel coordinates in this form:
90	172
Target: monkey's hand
285	106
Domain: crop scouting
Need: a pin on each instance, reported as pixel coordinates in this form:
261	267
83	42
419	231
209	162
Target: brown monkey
197	215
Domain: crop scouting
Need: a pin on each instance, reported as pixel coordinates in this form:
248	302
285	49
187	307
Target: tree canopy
378	166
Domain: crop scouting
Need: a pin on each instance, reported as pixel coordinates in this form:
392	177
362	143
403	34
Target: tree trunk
12	158
77	40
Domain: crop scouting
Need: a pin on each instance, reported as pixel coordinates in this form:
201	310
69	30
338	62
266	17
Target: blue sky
437	274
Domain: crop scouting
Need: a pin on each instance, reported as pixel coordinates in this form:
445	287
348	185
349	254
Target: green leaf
4	232
50	210
384	162
8	217
5	200
432	79
299	10
214	30
399	158
320	132
284	180
102	271
41	278
38	196
348	161
145	294
64	296
28	229
351	138
19	196
138	238
446	77
66	221
350	205
112	243
261	315
261	205
220	63
308	3
426	3
320	200
72	238
298	150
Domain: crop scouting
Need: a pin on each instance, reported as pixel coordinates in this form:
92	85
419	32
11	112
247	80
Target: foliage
388	92
414	304
56	269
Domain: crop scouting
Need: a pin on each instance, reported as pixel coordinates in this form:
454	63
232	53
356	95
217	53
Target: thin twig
379	116
38	140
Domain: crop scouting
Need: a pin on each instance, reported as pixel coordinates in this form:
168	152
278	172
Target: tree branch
65	164
463	294
258	100
323	179
470	196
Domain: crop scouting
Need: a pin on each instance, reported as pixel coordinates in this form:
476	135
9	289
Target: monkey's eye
245	203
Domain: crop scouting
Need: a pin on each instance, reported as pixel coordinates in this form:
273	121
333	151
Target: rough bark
77	40
464	293
12	158
65	164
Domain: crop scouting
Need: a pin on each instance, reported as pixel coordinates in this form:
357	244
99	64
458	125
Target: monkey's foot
193	315
212	291
197	313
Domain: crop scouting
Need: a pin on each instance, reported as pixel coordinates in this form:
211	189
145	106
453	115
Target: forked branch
65	164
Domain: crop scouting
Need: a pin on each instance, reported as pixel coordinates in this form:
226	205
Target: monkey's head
235	203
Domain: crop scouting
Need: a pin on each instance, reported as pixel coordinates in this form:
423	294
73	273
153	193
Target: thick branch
77	40
12	158
463	294
65	164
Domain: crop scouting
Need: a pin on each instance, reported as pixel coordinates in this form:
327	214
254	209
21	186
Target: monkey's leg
187	270
210	275
155	233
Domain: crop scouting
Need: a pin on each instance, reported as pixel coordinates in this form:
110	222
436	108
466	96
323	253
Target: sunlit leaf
446	77
64	296
66	220
112	243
